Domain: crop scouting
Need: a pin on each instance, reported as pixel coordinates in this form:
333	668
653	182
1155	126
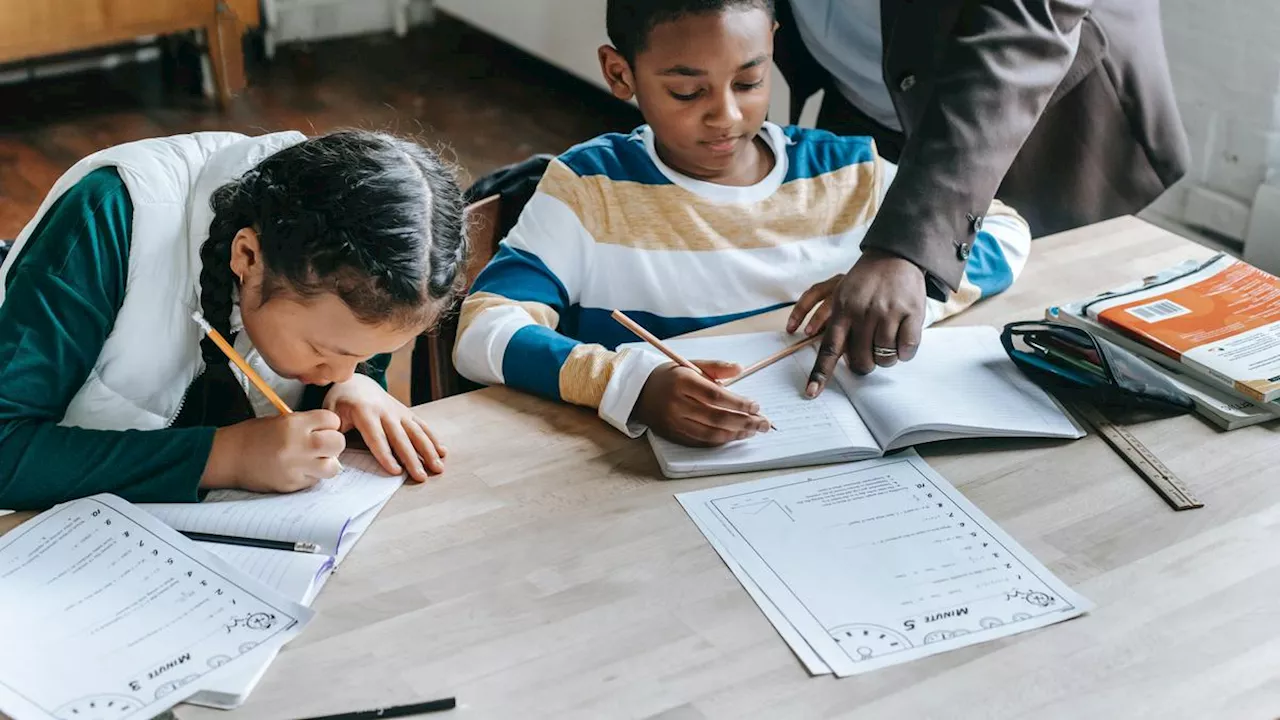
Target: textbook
961	384
1220	319
1222	406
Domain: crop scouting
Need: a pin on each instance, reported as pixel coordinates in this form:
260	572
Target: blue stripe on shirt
596	326
987	267
621	158
812	153
523	277
533	358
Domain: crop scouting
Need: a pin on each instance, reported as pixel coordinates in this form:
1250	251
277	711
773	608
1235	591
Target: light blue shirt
844	37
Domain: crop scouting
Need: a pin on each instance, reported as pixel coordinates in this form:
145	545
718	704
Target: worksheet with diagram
877	563
107	613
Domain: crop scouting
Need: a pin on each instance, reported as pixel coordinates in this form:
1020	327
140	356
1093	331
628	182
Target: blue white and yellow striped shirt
612	227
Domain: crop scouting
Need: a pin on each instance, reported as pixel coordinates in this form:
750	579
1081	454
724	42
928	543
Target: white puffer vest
153	351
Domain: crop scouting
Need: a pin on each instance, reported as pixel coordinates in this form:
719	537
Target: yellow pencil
234	357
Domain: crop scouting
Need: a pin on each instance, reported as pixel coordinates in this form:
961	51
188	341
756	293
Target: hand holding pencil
281	454
685	402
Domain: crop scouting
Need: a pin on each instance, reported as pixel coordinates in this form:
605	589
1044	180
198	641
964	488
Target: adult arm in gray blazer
1064	107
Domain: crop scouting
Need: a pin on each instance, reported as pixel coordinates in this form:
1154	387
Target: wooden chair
433	375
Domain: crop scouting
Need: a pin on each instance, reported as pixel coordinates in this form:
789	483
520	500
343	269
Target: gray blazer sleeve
1004	61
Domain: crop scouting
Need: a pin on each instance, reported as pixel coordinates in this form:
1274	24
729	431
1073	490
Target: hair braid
217	281
371	218
217	397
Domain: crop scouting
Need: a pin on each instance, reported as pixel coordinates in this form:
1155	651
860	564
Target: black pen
394	711
302	547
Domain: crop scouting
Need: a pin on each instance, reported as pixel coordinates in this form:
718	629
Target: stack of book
1212	327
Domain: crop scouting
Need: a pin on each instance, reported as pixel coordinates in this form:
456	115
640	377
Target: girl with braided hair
316	258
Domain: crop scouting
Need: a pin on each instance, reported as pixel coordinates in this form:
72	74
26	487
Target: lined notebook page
319	514
961	382
826	426
298	576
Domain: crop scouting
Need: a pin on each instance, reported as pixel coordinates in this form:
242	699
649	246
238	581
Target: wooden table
551	573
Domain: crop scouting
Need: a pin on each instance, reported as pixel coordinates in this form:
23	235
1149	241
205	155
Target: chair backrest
433	375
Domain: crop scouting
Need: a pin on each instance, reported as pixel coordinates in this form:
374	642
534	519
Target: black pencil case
1077	364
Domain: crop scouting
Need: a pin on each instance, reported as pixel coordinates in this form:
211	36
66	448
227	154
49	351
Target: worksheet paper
334	514
297	576
876	563
106	612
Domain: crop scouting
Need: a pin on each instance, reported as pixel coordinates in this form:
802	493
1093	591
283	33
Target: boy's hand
877	304
682	406
399	440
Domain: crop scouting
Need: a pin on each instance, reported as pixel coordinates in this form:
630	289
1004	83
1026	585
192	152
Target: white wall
305	20
565	33
1224	57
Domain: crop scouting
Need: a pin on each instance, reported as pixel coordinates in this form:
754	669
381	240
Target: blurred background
495	81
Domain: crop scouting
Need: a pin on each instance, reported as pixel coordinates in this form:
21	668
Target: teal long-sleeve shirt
62	296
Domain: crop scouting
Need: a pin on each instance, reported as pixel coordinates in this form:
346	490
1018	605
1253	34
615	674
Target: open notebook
961	384
333	514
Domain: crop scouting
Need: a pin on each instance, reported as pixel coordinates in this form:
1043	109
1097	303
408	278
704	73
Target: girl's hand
397	438
280	454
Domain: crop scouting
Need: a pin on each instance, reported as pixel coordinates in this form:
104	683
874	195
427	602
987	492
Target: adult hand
878	305
819	296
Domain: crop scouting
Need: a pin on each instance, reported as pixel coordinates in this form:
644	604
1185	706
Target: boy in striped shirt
704	215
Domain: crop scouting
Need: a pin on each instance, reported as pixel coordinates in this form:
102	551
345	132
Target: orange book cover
1223	319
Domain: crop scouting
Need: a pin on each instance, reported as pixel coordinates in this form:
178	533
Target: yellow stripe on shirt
481	301
586	372
669	217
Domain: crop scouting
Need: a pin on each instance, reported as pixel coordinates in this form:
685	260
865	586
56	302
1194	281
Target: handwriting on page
110	614
318	515
804	426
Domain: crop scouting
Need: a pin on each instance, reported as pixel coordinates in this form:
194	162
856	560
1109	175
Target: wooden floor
485	104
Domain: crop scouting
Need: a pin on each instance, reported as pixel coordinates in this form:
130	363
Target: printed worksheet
878	562
107	613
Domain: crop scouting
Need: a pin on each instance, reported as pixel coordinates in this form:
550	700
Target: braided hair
372	218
